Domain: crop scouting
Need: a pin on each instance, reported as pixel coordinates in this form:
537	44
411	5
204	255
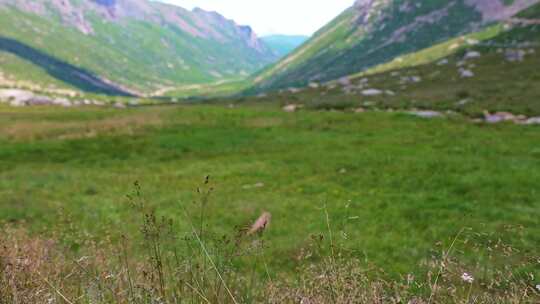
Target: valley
151	153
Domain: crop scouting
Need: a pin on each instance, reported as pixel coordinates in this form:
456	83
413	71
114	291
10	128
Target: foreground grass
394	185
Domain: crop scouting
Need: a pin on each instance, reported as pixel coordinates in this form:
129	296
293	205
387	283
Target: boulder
513	55
62	102
472	55
290	108
359	110
426	114
533	121
119	105
443	62
39	101
464	73
371	92
15	95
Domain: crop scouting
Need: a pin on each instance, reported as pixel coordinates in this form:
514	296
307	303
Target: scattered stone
371	92
390	93
471	41
290	108
119	105
15	95
464	73
499	117
38	101
257	185
344	81
463	102
443	62
416	79
359	110
62	102
426	114
533	121
314	85
514	55
472	55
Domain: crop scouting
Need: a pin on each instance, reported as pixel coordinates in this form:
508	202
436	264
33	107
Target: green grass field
394	185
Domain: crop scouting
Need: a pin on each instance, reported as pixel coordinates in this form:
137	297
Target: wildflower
538	287
467	278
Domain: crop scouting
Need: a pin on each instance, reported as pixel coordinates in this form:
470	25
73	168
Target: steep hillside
373	32
282	45
130	46
495	70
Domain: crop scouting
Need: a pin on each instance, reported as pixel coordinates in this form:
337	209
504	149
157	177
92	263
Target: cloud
274	16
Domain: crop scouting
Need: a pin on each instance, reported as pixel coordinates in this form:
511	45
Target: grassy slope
395	184
498	85
111	52
343	48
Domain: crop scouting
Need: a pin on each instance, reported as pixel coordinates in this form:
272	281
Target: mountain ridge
141	45
372	32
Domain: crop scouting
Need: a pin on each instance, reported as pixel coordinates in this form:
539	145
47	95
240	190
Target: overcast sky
274	16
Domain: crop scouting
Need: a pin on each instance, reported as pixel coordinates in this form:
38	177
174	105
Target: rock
533	121
471	41
15	95
17	103
390	93
359	110
61	102
119	105
371	92
472	55
426	114
464	73
499	117
290	108
416	79
443	62
344	81
38	101
314	85
463	102
257	185
514	55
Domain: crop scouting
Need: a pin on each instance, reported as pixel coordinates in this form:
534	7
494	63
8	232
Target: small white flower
538	287
467	278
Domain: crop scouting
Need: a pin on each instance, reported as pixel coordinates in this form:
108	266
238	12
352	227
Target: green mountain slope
373	32
133	46
494	69
282	45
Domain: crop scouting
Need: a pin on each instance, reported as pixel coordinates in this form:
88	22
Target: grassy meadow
394	185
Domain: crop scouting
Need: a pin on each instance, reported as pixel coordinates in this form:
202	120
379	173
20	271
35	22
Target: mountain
372	32
282	45
495	69
122	46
